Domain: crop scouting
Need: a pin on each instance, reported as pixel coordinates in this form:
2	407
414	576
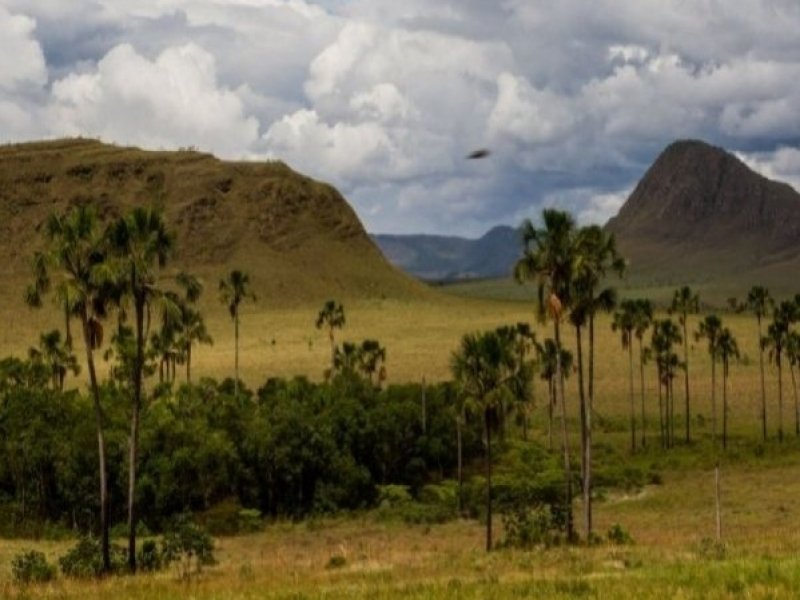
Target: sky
385	98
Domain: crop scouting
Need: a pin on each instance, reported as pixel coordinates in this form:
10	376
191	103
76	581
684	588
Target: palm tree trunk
780	399
661	419
488	426
725	404
67	328
587	488
101	444
460	467
236	354
564	434
189	363
763	384
633	402
713	399
582	402
686	378
551	390
796	407
134	434
641	382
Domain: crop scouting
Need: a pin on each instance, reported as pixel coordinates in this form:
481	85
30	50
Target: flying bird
482	153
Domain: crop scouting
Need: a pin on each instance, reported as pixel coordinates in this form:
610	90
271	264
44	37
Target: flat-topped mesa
298	237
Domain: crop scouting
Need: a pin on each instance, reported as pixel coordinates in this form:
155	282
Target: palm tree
759	303
625	322
56	356
727	350
331	316
233	291
483	367
710	329
549	259
546	357
193	331
793	356
643	318
596	257
141	244
74	254
665	335
776	341
685	302
372	360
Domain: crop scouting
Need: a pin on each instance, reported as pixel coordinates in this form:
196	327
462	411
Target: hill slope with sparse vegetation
701	215
298	238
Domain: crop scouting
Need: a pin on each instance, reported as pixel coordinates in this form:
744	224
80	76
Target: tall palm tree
74	254
775	342
483	367
193	331
684	303
759	302
727	350
665	335
331	316
793	357
546	357
625	322
141	245
643	319
596	257
549	259
234	289
710	330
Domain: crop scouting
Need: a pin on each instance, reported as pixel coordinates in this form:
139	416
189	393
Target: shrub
527	527
617	534
85	559
149	558
188	546
336	561
32	567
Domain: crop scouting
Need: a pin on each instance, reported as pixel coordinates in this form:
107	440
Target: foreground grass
672	555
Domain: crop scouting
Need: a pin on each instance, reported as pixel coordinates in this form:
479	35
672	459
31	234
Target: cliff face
701	213
299	238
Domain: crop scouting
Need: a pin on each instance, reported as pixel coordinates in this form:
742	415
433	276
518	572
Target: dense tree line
289	449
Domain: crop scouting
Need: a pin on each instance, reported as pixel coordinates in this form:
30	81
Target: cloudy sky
384	98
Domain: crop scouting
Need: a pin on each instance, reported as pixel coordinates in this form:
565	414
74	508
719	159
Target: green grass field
671	523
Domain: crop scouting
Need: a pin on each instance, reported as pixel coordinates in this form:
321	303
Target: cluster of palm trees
367	358
92	270
570	266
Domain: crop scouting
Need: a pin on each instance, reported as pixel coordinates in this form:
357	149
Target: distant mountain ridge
700	214
449	258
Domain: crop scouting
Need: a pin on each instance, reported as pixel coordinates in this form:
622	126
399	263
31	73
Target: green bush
617	534
85	559
527	528
250	520
32	567
148	558
188	546
393	495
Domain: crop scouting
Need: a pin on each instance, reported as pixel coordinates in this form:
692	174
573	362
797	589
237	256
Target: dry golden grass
383	559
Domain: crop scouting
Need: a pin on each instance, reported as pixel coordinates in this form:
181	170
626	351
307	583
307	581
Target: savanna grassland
671	522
